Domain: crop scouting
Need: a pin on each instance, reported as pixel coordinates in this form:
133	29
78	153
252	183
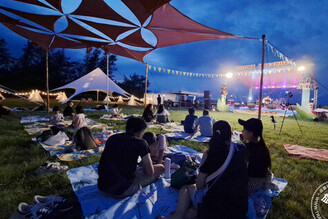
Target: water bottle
167	167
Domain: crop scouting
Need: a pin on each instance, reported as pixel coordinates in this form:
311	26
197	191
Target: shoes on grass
53	202
49	167
33	211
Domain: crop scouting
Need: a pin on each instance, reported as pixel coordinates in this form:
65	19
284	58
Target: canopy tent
35	96
61	97
133	102
93	81
12	92
2	97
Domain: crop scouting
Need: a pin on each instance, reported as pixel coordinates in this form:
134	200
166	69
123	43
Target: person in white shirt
162	115
115	111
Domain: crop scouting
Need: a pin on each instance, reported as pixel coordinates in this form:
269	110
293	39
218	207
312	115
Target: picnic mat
186	136
61	150
304	152
155	199
123	118
39	127
170	126
31	119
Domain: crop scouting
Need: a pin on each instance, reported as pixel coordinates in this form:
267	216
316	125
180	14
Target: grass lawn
20	157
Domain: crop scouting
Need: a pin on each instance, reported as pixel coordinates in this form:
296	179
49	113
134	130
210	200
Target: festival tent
107	99
2	97
61	97
93	81
35	96
132	101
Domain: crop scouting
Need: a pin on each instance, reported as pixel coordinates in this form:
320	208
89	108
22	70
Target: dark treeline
29	71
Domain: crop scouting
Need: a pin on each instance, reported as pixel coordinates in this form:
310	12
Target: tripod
283	120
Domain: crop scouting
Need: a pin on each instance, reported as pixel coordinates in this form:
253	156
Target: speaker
207	99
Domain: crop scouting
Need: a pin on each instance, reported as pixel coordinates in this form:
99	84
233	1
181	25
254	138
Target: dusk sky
298	28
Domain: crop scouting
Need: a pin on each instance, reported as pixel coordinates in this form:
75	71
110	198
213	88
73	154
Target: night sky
298	28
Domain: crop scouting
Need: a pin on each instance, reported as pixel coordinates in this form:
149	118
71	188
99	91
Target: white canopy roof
93	81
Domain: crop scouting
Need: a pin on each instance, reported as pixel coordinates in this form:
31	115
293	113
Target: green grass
19	158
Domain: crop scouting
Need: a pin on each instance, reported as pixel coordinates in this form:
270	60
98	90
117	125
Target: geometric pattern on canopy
140	28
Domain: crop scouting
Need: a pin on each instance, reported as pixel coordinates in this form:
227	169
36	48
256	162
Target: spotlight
301	68
229	75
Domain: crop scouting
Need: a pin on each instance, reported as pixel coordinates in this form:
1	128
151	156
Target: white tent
61	97
120	99
132	101
93	81
35	96
107	99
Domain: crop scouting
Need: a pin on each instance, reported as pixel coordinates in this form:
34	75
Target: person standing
159	100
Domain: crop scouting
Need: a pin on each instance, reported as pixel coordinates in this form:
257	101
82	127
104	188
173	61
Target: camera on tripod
289	94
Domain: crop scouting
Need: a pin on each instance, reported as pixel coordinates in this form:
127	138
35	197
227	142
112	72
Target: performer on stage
221	104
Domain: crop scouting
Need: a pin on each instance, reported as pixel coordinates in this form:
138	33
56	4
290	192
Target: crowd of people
228	173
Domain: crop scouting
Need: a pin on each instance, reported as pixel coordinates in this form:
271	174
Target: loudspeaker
207	99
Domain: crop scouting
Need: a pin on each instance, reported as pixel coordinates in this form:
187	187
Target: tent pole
261	82
146	77
97	95
47	80
107	82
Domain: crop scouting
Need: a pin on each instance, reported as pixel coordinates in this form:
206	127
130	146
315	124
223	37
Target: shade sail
93	81
95	23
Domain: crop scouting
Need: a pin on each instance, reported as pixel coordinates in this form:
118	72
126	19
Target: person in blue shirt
205	124
190	121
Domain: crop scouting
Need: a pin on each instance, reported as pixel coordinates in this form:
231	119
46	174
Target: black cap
252	125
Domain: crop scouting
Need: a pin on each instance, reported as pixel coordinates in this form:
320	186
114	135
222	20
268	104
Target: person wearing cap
258	155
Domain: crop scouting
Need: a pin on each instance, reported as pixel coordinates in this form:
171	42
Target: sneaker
54	202
33	211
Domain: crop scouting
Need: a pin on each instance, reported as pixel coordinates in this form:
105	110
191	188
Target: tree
5	58
135	85
96	58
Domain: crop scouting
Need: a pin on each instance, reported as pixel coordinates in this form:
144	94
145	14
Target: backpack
84	140
45	135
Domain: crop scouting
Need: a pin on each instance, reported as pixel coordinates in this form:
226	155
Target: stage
265	111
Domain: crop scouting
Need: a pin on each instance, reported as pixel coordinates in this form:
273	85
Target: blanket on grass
155	199
39	127
304	152
64	153
31	119
170	126
123	118
186	136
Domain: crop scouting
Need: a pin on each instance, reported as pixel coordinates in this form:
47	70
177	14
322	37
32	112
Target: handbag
185	175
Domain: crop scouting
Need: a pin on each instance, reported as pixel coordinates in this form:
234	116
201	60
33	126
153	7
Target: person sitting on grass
84	140
190	121
57	119
69	110
258	155
162	115
148	114
78	120
118	173
158	150
205	124
223	195
115	111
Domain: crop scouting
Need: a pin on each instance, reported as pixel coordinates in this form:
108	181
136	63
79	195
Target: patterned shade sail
95	23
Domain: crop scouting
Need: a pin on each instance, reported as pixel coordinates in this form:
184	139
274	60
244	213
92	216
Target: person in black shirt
69	111
118	174
159	100
148	114
258	155
224	196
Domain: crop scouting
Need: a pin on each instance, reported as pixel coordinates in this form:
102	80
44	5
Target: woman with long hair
162	115
221	185
258	155
148	114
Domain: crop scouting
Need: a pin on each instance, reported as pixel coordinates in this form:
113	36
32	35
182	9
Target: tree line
29	70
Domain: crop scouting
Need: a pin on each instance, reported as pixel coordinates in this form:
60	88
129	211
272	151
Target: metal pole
47	80
146	77
107	81
261	83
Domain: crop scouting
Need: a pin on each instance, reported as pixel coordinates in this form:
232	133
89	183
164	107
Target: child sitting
78	120
115	111
158	150
57	118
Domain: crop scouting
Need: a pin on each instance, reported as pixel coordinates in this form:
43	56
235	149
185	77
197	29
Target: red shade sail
168	25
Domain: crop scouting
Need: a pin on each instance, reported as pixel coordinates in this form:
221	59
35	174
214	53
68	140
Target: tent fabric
93	81
115	38
35	96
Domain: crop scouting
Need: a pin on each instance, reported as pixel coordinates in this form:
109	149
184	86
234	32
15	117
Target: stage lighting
301	68
229	75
